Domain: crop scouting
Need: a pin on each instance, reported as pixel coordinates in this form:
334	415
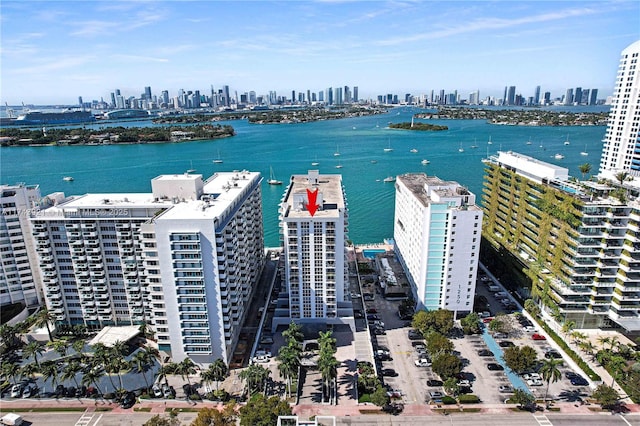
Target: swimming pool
371	253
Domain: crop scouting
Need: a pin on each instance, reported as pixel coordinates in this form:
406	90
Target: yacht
68	178
272	178
413	150
461	149
425	162
389	179
558	156
339	166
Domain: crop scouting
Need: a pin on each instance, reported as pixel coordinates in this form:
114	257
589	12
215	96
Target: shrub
366	397
447	400
109	395
468	399
194	397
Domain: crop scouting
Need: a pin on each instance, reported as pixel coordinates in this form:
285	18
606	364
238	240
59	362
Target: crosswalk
85	419
542	420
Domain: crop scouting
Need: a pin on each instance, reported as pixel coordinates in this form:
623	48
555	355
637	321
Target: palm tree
550	372
49	370
92	377
118	365
588	347
289	358
78	346
44	317
584	169
621	177
70	371
218	370
293	333
328	365
33	349
9	336
29	370
255	377
567	327
142	364
165	370
616	366
604	340
578	337
185	368
59	346
11	370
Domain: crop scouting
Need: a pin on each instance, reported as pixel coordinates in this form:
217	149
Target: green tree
550	371
33	349
522	397
70	371
215	417
11	370
606	396
501	324
216	372
446	365
567	327
451	386
60	346
379	397
532	307
289	362
437	343
49	370
255	377
471	323
159	420
45	318
520	359
293	333
263	411
142	364
621	177
585	169
92	377
186	368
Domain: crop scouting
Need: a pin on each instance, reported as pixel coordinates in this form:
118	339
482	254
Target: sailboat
272	178
529	141
585	153
388	149
337	153
474	144
489	141
566	142
315	163
461	149
338	166
191	170
218	160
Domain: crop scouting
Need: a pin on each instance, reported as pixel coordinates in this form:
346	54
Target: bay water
291	148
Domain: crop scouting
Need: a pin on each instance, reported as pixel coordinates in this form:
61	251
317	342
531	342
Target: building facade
620	153
313	225
578	244
19	281
183	258
437	231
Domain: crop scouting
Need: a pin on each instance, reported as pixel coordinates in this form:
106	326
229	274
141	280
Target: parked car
485	352
552	353
166	390
16	391
389	372
499	335
372	317
394	408
433	382
261	359
536	336
414	335
484	314
29	391
506	344
464	383
492	366
417	343
394	393
157	392
529	328
436	395
372	311
534	382
531	376
505	389
578	380
266	340
379	331
384	357
422	362
128	400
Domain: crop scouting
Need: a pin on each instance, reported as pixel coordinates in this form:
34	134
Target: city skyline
90	48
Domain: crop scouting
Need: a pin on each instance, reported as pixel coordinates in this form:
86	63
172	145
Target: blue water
371	253
515	380
290	149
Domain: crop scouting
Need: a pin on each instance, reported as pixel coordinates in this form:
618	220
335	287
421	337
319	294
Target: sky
52	52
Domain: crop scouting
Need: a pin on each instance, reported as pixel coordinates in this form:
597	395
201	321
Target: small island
112	135
277	116
418	126
519	117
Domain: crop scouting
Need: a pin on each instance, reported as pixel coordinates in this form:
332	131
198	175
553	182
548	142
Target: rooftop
329	197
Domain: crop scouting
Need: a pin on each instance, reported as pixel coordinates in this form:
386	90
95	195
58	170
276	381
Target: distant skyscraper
437	231
165	97
504	97
474	98
113	100
308	96
338	99
293	96
536	96
593	99
511	95
330	96
547	98
568	97
80	101
227	98
147	93
355	94
577	97
619	153
321	96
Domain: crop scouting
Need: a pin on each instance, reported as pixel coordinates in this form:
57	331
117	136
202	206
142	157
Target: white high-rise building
18	282
313	223
620	153
437	230
183	258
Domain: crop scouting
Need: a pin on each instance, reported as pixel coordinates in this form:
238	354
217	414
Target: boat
388	148
68	178
425	162
338	166
461	149
389	179
413	150
474	144
566	142
489	141
218	160
272	178
558	156
585	153
37	118
191	170
337	153
529	141
374	161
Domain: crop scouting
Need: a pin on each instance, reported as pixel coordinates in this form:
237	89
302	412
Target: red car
536	336
372	311
487	320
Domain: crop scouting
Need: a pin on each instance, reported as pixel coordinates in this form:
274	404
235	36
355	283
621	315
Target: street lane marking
542	420
98	420
85	419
